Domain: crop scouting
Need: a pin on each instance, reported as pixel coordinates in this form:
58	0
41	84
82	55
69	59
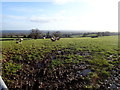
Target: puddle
84	72
39	65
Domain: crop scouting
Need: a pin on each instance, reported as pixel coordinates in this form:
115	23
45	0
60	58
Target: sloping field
70	63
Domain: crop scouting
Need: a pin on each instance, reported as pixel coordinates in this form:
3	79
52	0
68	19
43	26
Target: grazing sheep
44	37
55	38
19	40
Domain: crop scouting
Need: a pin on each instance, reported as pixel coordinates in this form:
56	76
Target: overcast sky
94	15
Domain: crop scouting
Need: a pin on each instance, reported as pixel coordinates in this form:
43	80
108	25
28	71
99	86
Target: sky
90	15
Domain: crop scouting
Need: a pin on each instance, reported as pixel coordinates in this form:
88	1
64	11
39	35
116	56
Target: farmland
70	63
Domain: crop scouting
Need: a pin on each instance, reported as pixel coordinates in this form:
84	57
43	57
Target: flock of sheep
53	39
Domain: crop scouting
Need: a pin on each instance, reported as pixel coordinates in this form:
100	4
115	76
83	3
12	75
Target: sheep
55	38
44	37
19	40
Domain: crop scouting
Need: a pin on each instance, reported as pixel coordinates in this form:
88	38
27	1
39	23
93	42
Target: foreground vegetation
70	63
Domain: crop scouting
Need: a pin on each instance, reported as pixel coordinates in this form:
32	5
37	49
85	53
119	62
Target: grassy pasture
11	39
58	64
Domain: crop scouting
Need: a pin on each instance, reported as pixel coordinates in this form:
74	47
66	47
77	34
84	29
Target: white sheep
19	40
44	37
55	38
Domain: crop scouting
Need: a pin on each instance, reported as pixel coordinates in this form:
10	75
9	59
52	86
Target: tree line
37	34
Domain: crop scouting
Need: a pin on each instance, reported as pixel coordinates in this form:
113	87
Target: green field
9	39
70	63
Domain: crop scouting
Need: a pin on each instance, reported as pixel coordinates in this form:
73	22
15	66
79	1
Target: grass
101	54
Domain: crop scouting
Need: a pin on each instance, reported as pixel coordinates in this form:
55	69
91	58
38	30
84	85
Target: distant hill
44	31
15	31
74	32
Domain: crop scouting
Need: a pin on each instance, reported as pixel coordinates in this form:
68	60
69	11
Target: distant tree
57	34
35	34
107	33
4	35
84	35
17	36
24	36
66	35
99	34
11	35
48	35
